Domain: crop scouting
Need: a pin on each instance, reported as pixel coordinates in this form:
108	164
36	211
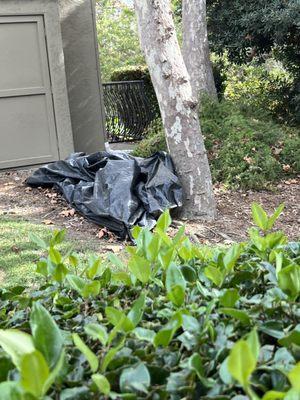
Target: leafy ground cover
175	321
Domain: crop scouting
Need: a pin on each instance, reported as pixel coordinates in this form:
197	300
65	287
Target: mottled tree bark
178	106
195	47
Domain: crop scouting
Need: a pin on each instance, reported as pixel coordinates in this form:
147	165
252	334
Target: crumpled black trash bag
114	189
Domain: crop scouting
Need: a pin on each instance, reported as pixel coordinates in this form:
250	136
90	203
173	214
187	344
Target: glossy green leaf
289	280
164	221
275	216
91	289
241	362
55	256
144	334
135	379
294	377
231	256
76	283
42	267
94	268
253	342
55	372
59	272
153	248
46	334
229	298
34	373
215	275
175	285
189	273
16	344
115	260
237	314
292	337
174	277
57	237
102	383
123	277
166	334
110	355
86	351
259	216
195	364
273	395
118	318
37	241
224	373
140	268
177	295
11	390
166	258
97	332
136	312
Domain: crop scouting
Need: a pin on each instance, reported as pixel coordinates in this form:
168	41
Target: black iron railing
128	110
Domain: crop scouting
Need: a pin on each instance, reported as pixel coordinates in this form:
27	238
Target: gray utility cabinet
50	86
35	122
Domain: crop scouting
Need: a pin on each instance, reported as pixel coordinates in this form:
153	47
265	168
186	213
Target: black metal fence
128	110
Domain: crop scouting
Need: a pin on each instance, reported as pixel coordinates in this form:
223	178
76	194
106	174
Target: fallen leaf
291	182
103	232
286	167
249	160
68	212
47	222
15	249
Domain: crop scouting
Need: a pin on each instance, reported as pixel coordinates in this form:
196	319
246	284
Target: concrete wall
83	74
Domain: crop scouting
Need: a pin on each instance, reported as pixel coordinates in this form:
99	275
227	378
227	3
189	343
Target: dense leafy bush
139	72
136	73
169	321
267	86
246	149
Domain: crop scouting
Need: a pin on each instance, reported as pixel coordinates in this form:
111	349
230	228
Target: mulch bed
234	212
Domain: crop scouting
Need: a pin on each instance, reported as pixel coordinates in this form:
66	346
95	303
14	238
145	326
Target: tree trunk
195	47
177	105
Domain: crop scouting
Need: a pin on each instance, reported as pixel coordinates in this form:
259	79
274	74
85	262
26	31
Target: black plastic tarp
114	189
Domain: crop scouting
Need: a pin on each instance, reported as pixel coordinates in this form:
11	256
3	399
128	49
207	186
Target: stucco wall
83	74
49	10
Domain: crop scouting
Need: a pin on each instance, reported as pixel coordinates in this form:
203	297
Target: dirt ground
48	207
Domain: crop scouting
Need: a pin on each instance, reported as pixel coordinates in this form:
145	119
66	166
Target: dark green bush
155	140
174	321
246	148
136	73
264	86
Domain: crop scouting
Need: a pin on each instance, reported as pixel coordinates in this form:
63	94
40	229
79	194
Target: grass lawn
18	255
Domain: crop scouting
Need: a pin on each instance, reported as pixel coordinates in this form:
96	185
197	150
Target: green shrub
131	73
136	73
174	320
290	151
155	141
246	148
264	86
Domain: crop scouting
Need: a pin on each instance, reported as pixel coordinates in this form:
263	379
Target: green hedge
170	320
246	148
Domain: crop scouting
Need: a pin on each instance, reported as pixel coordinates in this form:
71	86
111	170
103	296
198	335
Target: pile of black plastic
114	189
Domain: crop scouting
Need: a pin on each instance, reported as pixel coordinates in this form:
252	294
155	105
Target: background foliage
117	37
246	148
